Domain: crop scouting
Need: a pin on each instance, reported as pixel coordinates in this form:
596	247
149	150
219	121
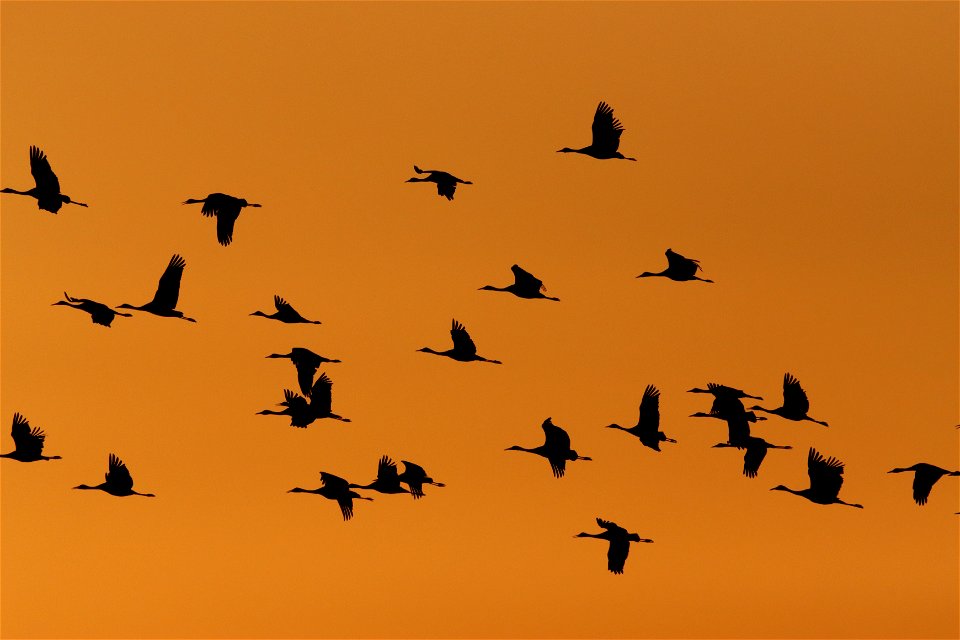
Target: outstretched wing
387	470
462	343
685	267
557	438
650	410
334	483
922	483
794	397
321	395
617	554
118	476
43	175
606	130
282	305
526	280
226	217
26	440
826	474
413	475
446	188
306	369
756	452
168	289
609	526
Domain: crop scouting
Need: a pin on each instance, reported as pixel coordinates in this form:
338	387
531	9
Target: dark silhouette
335	488
556	448
296	406
415	477
795	403
464	350
678	268
525	285
619	540
756	451
321	399
726	400
388	480
924	477
226	209
306	362
648	425
285	313
47	189
168	292
738	424
118	481
446	183
826	478
99	312
27	442
606	136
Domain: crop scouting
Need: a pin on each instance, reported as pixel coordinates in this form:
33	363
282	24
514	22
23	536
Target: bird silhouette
226	209
606	136
446	183
388	479
464	349
924	477
285	313
415	477
168	292
296	407
738	423
648	425
321	399
619	540
307	362
726	400
756	451
118	481
678	268
556	448
525	285
795	403
47	189
335	488
826	478
27	442
99	312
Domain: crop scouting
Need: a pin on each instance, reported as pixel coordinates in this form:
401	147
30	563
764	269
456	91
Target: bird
415	477
118	481
27	442
446	183
678	268
168	292
307	362
826	478
285	313
525	285
388	479
99	312
726	400
924	477
321	399
47	189
795	403
606	136
648	425
556	448
464	349
756	451
226	209
335	488
619	540
738	424
295	406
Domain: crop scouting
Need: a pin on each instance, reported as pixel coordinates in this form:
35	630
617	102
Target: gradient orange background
805	153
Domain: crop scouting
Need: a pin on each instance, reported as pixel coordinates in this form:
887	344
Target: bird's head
566	150
297	490
898	470
488	287
755	407
125	306
646	274
259	313
515	447
779	487
613	426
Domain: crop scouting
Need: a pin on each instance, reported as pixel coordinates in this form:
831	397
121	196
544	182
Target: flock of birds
315	403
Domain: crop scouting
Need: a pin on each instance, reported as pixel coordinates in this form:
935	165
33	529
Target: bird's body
738	424
304	412
464	349
168	293
118	480
27	442
924	477
606	136
556	448
415	477
619	539
756	451
335	488
99	313
826	478
795	403
446	183
678	268
647	428
285	313
226	209
388	479
47	189
525	285
307	362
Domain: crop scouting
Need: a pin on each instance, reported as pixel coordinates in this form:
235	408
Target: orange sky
805	153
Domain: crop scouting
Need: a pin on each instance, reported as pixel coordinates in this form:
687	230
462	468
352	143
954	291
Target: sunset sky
805	153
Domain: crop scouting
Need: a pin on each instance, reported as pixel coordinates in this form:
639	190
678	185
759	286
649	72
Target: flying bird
738	424
415	477
47	189
446	183
606	136
924	477
118	481
619	540
388	479
99	312
307	362
678	268
226	209
826	478
464	349
168	292
27	442
795	403
525	285
321	399
296	407
756	451
285	313
556	448
647	428
335	488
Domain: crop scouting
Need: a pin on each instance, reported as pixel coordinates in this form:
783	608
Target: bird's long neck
436	353
8	455
268	412
415	179
759	408
569	150
130	306
490	287
300	490
19	193
262	315
101	487
648	274
517	447
195	201
616	426
584	534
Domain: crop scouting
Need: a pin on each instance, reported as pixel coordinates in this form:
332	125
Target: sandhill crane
321	399
446	183
285	313
756	451
464	350
795	403
47	189
118	481
168	292
556	448
619	540
99	312
388	479
924	477
647	428
606	136
415	477
226	209
525	285
826	478
295	406
726	400
27	442
335	488
738	424
307	362
678	268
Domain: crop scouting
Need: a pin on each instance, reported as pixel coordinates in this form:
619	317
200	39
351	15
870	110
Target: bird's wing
650	410
738	428
345	500
305	372
558	465
556	438
282	305
26	440
226	217
462	343
526	280
118	476
321	395
446	188
756	452
214	203
335	483
794	396
413	470
617	554
686	267
922	483
826	474
43	175
168	289
606	129
387	469
608	525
